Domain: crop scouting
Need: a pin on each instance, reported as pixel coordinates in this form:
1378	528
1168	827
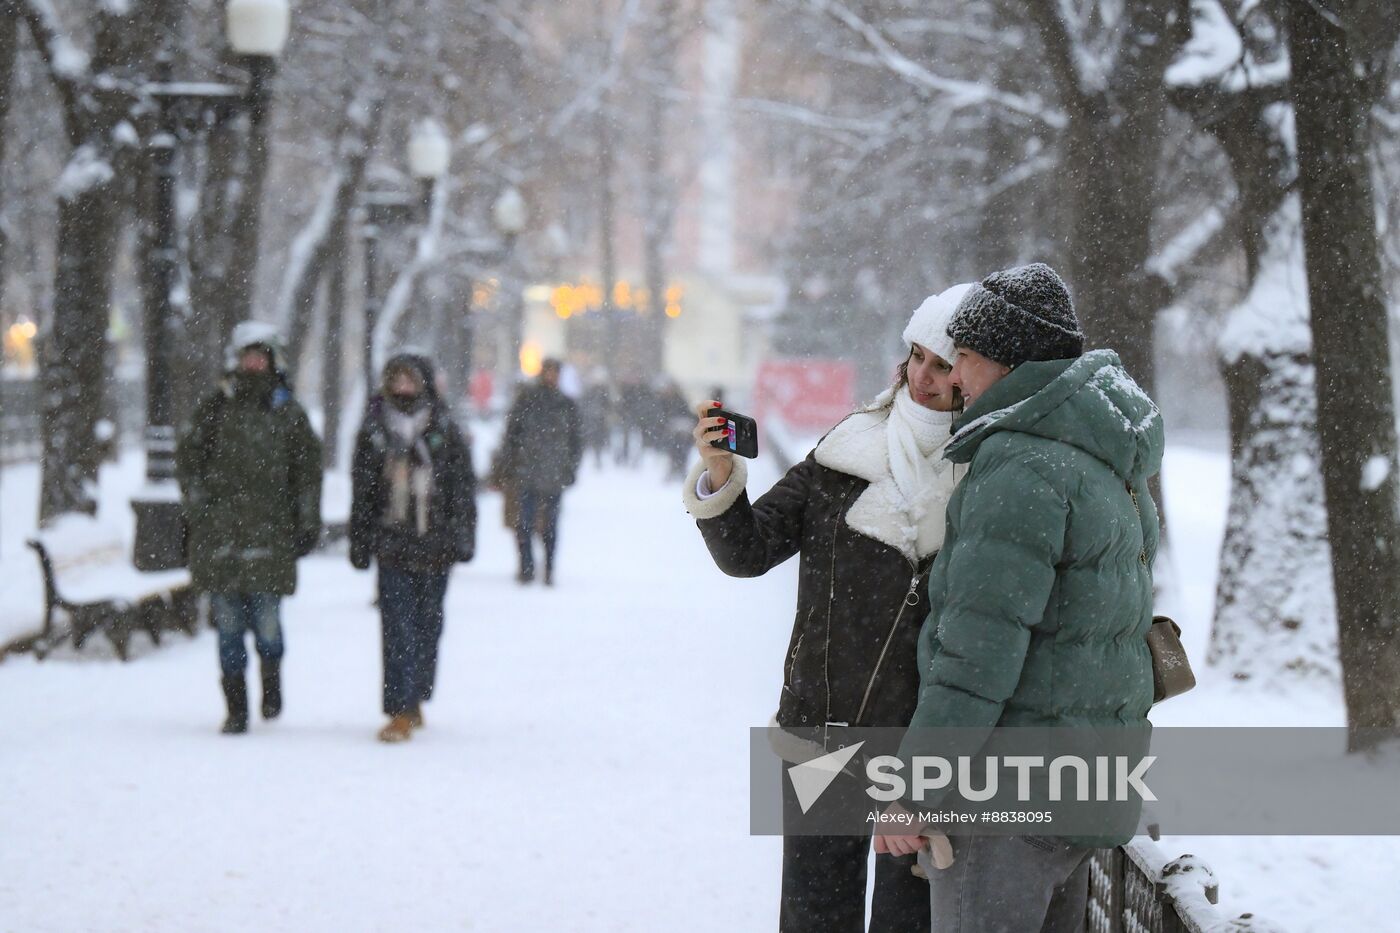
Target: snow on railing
1136	889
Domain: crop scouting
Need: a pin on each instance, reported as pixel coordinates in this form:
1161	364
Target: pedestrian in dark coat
674	428
249	468
413	510
864	512
543	445
596	408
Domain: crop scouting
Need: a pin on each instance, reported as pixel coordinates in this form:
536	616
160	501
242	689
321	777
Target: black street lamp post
383	211
257	30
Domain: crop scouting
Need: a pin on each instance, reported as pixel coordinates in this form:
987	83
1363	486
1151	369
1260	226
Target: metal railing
1135	888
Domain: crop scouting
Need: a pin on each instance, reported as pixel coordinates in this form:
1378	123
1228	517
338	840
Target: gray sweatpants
1009	884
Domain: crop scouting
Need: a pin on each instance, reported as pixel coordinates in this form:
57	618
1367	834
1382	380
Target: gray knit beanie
1018	316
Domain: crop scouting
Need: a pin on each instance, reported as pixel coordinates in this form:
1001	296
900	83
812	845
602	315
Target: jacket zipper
911	598
830	601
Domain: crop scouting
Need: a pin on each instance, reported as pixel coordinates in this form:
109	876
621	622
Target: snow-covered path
541	795
584	766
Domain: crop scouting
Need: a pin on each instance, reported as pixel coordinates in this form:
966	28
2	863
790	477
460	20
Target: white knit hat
929	325
253	333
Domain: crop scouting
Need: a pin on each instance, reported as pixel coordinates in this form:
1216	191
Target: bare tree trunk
326	234
332	361
73	346
1113	141
997	226
92	194
9	43
1109	241
74	350
1332	97
1112	146
660	208
621	366
1274	611
454	291
1000	222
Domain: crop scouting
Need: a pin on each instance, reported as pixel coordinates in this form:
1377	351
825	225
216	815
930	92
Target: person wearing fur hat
1041	598
249	468
413	509
864	511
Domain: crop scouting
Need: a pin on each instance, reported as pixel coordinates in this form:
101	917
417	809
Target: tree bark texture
1332	96
1274	610
1113	140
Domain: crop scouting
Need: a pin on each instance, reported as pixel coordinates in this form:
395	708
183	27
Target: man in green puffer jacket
1042	596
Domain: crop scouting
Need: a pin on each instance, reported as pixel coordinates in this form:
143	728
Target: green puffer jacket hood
1041	598
1090	403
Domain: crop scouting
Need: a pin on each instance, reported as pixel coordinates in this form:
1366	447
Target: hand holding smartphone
740	433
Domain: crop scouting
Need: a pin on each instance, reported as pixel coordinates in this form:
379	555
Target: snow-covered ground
1304	884
542	795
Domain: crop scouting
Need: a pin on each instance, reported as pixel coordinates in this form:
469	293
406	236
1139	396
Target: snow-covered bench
91	586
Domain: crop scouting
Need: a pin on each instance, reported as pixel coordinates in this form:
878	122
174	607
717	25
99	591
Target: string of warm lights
570	299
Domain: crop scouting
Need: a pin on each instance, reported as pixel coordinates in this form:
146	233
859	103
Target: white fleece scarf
897	446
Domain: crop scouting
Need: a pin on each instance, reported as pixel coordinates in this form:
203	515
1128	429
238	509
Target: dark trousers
410	612
234	615
824	880
544	508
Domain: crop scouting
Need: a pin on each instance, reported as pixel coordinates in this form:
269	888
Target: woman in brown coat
865	512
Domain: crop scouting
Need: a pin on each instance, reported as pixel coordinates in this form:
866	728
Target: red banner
807	394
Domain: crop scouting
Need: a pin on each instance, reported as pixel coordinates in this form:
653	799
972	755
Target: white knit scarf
897	446
914	433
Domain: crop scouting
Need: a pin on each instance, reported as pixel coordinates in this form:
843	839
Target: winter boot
236	694
399	729
415	716
271	689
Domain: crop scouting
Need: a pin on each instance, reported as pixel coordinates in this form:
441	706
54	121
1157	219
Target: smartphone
740	433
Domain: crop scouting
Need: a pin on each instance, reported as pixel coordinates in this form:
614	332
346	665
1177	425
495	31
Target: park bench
90	587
